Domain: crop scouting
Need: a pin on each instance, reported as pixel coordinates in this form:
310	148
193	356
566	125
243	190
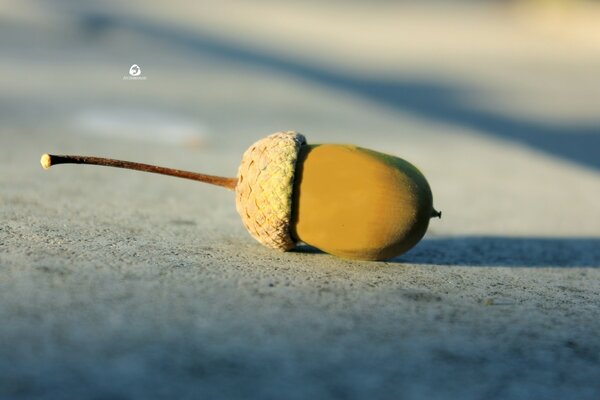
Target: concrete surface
122	285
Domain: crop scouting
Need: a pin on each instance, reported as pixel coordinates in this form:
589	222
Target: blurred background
491	89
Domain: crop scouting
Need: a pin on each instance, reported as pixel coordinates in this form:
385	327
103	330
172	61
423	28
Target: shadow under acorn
496	251
499	251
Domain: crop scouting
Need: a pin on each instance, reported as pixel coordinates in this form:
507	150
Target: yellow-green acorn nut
345	200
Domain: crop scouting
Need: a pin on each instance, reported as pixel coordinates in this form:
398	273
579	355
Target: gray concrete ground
121	285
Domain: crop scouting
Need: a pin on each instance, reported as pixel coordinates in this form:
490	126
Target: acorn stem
436	214
49	160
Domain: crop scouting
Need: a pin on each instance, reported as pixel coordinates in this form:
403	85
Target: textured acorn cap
265	188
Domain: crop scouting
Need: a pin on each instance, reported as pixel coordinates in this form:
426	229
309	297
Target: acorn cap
265	188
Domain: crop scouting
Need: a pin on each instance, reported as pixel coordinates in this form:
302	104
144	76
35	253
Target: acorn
345	200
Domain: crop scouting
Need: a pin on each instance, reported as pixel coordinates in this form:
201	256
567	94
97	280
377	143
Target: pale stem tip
46	161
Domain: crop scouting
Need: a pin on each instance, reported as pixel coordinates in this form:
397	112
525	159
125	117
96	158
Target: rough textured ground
121	285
